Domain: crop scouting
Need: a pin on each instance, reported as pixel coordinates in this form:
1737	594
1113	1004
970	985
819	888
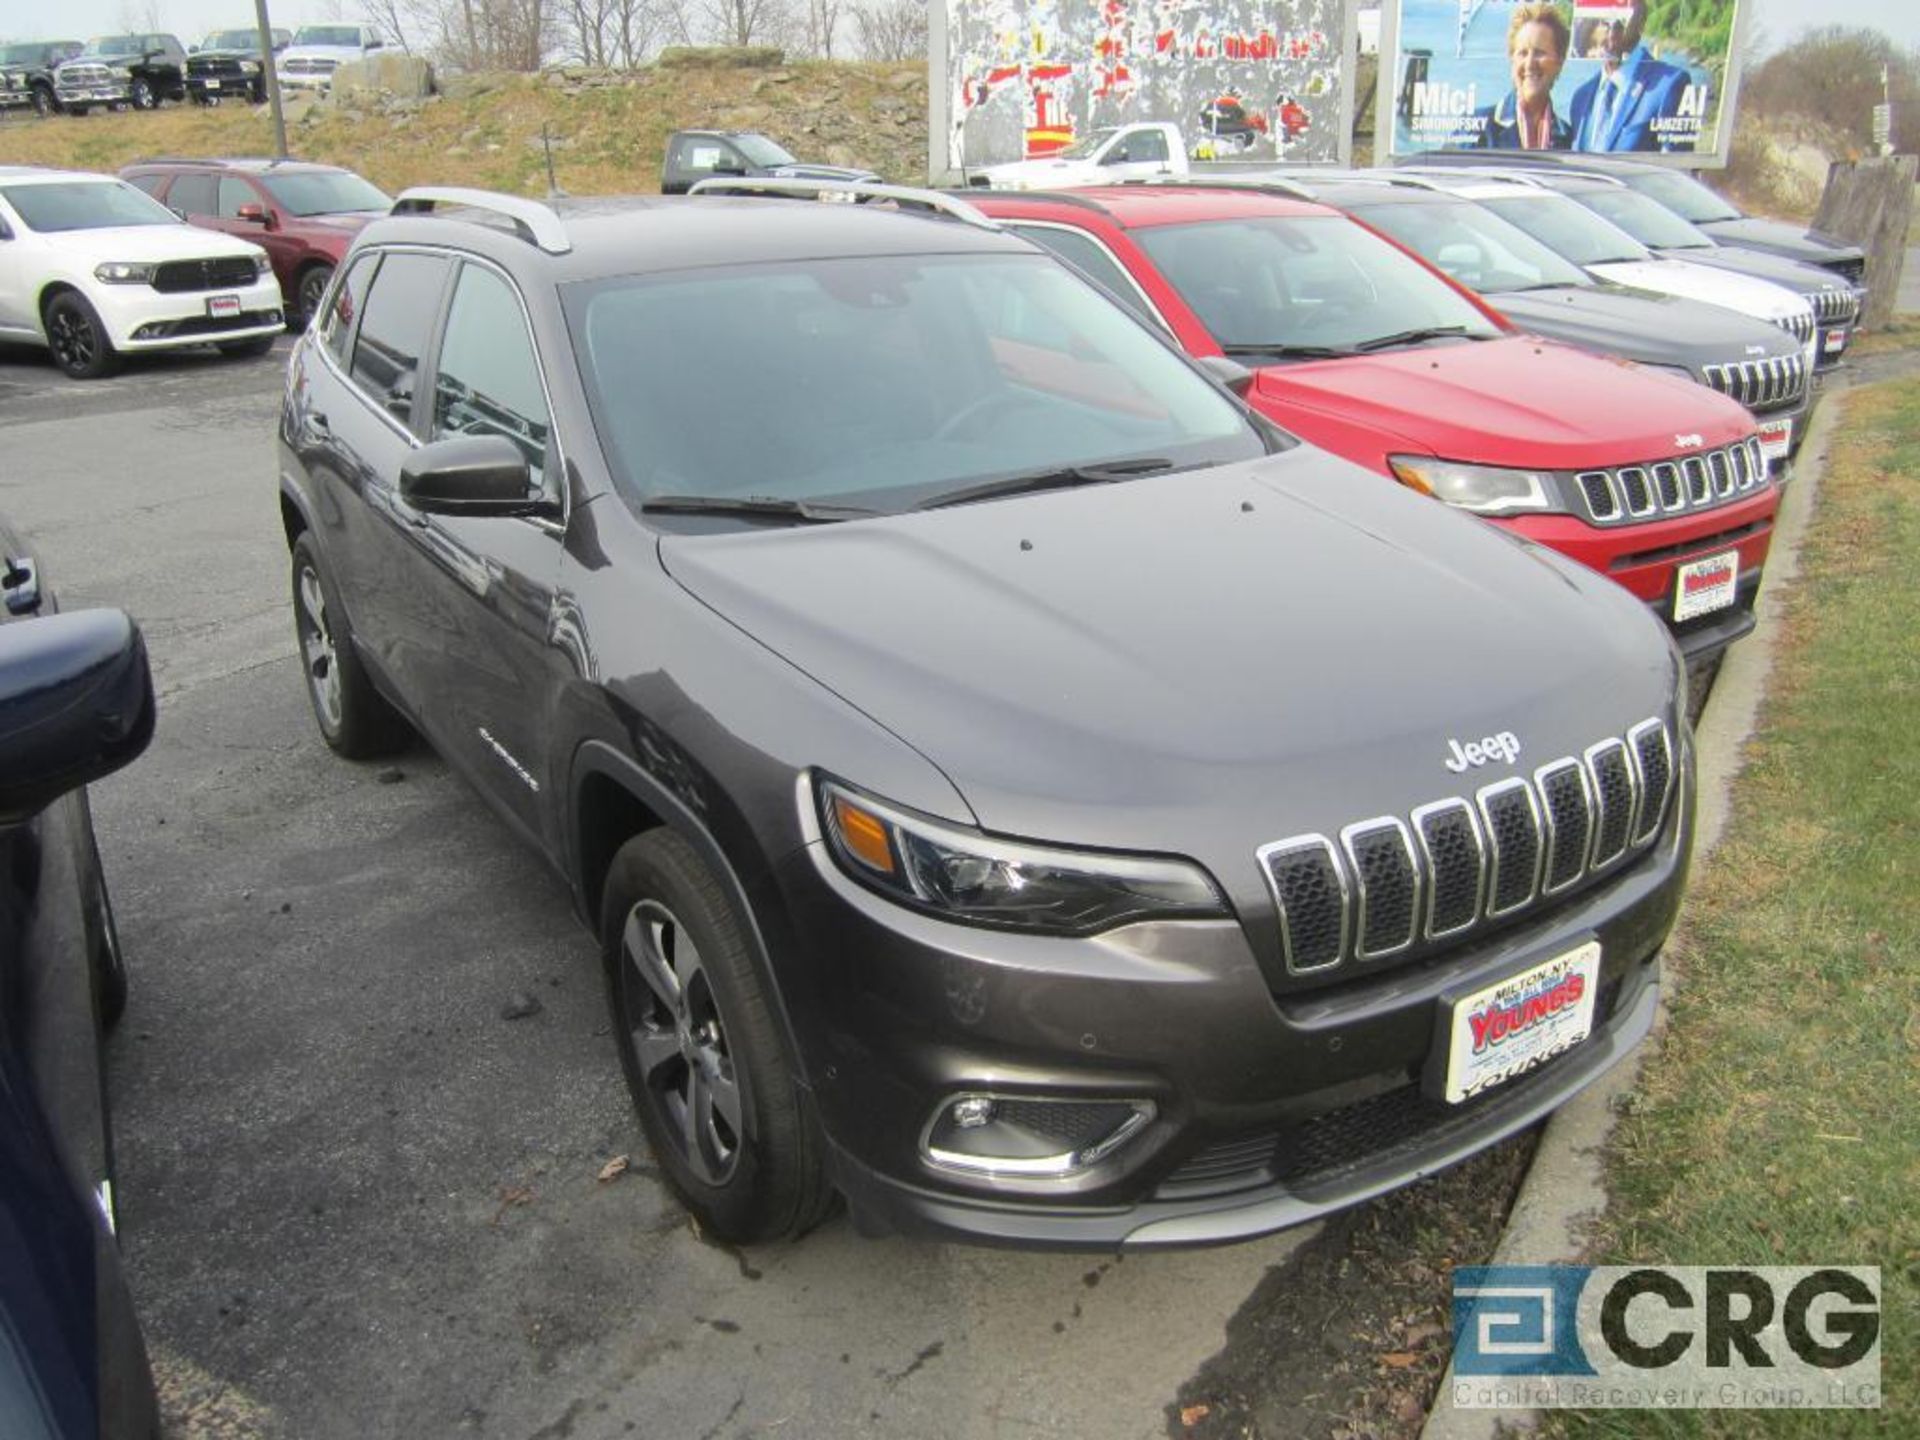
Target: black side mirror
470	475
76	703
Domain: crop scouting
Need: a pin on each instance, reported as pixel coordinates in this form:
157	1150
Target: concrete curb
1564	1191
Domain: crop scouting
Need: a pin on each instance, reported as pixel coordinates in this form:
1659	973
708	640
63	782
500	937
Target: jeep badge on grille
1504	746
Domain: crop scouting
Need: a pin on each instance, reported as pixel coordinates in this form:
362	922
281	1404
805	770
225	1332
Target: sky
189	19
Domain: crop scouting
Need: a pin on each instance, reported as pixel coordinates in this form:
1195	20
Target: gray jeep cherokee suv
1013	786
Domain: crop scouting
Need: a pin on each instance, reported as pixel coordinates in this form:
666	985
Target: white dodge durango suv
92	268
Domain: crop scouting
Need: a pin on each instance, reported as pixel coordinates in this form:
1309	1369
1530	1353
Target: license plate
211	84
223	307
1776	439
1703	586
1515	1026
1835	342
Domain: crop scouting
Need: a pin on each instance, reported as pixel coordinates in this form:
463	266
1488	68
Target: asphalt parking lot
358	1199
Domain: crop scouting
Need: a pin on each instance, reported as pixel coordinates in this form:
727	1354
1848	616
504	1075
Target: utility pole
273	79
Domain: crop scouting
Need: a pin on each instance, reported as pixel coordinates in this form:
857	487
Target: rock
406	75
745	57
522	1005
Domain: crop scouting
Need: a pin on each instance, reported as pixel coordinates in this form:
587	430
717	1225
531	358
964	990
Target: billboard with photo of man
1639	77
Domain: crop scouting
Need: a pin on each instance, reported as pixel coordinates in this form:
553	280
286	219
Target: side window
1148	145
347	300
488	381
698	154
400	311
234	193
1086	255
193	195
149	183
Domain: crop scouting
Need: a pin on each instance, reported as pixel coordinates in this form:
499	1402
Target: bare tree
389	18
822	25
748	22
617	33
891	29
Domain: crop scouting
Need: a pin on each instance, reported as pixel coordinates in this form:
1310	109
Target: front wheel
354	718
312	287
77	338
140	95
703	1053
43	102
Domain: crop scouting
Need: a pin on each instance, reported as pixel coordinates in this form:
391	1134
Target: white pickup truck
1105	156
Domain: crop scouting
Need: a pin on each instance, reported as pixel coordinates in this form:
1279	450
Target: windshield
348	35
232	40
117	45
1474	246
762	151
22	54
1082	149
1317	281
1645	219
85	205
324	193
882	382
1569	229
1682	194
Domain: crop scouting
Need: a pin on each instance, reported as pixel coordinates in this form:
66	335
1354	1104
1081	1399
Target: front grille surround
1627	494
1389	886
1835	307
221	272
1799	324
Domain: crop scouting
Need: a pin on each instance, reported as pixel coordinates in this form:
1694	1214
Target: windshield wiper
808	511
1414	337
1064	478
1286	352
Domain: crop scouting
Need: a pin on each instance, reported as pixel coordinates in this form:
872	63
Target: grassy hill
609	128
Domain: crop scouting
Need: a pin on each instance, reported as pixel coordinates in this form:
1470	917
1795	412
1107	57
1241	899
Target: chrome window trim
1483	798
1146	301
1540	776
1307	842
1399	827
1480	850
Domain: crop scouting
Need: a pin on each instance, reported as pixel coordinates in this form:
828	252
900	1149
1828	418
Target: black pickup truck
120	71
694	155
26	73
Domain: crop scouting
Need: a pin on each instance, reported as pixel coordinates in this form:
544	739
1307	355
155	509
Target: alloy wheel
316	648
679	1041
72	339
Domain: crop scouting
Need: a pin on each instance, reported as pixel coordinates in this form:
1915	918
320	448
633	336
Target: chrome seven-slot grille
1799	324
1668	487
1835	307
1386	885
1761	384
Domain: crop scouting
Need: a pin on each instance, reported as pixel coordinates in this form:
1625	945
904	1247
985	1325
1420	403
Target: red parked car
304	215
1363	349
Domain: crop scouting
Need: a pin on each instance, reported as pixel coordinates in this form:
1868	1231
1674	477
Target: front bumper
141	318
1268	1109
112	93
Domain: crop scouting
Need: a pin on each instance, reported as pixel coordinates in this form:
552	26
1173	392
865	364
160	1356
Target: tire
247	349
140	95
1701	673
307	292
693	1026
77	338
354	718
43	102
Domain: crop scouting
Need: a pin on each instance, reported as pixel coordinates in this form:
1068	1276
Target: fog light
1027	1136
148	332
972	1112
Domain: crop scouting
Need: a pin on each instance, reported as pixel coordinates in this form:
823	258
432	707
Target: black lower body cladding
1243	1111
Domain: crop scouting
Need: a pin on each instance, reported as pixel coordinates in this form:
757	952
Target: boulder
404	75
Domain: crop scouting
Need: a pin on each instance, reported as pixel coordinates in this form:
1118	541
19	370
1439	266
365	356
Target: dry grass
608	140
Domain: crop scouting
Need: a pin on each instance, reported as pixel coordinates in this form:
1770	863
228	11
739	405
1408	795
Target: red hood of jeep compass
1518	402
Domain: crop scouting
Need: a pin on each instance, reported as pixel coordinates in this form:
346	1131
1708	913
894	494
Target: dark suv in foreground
1013	784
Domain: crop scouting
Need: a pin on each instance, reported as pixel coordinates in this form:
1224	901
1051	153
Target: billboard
1642	77
1254	79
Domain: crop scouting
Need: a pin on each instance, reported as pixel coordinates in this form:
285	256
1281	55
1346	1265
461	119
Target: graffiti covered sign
1025	79
1649	77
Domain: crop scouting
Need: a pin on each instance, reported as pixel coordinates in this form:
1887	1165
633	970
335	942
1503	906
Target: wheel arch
50	292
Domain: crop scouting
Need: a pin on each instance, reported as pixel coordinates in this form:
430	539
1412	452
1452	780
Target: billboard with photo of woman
1645	77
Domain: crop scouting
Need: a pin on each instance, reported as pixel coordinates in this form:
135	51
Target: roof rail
534	220
1452	177
1231	180
854	191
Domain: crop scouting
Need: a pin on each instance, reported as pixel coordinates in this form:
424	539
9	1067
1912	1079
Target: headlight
249	67
981	879
124	272
262	264
1483	489
120	72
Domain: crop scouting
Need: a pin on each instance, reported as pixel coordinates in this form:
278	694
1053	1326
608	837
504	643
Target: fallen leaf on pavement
1192	1415
613	1169
1399	1359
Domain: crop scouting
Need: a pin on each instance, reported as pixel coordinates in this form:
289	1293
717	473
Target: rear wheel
308	291
703	1053
354	718
140	95
77	338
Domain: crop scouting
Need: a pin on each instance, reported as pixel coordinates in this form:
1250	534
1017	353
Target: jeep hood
1512	401
1794	241
1643	325
1759	298
1209	659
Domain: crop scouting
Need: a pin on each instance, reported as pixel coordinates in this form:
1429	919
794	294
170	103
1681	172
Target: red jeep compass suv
1363	349
304	216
